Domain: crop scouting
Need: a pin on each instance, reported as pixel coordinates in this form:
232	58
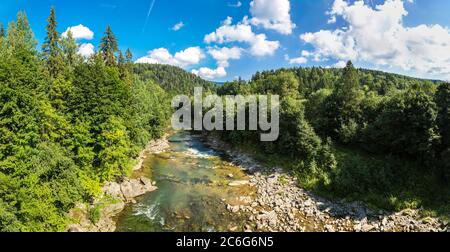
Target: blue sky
383	37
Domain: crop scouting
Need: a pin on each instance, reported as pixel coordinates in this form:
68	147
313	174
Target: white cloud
86	50
224	54
340	64
242	32
299	60
273	15
235	5
178	26
378	36
210	74
188	57
80	32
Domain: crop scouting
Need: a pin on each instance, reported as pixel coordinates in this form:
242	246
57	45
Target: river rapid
193	191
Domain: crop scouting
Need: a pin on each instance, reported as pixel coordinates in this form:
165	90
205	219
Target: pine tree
69	49
2	31
350	81
128	56
109	47
121	59
51	48
20	38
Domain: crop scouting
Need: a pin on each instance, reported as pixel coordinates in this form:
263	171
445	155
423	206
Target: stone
239	183
233	229
113	189
146	181
367	228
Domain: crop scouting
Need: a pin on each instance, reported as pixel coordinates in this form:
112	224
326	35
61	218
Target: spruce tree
109	47
128	56
50	48
121	59
2	31
20	38
69	49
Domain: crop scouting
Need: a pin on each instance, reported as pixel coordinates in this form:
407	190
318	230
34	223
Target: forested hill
366	135
316	78
173	80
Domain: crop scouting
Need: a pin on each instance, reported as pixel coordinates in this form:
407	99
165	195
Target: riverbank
100	215
281	205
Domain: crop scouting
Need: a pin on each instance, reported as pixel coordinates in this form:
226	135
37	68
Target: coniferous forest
69	124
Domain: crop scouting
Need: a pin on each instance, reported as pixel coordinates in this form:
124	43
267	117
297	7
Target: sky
222	40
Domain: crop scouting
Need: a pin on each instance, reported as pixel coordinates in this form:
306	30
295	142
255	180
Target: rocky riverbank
281	205
99	216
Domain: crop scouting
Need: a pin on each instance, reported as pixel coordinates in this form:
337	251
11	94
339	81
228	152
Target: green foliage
65	131
390	134
51	47
442	99
109	47
172	79
69	49
94	214
406	126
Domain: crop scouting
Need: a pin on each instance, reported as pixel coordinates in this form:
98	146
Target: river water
193	191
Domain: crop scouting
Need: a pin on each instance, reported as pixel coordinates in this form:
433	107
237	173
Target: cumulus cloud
178	26
80	32
340	64
379	37
242	32
86	50
299	60
235	5
224	54
272	14
188	57
210	74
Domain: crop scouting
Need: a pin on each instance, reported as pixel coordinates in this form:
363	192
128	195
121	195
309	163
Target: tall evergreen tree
69	49
2	31
51	48
20	37
109	46
350	82
128	56
121	59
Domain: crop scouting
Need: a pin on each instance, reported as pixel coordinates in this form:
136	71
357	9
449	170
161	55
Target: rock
233	209
239	183
146	181
113	209
113	189
233	229
230	175
367	228
272	180
245	199
329	228
75	229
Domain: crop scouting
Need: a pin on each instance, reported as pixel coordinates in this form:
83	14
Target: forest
357	134
68	124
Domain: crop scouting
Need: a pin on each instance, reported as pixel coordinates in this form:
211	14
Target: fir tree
2	31
50	48
109	47
128	56
69	49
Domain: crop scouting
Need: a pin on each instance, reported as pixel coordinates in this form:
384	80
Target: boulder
239	183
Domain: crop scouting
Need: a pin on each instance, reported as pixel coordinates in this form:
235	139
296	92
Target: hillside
172	79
